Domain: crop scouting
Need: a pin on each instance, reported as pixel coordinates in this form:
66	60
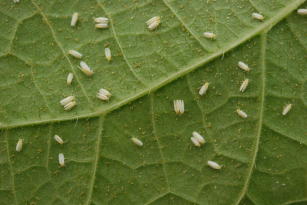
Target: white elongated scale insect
302	12
195	141
137	141
103	94
86	69
67	100
153	22
70	105
179	107
70	77
61	160
209	35
19	145
241	113
107	52
243	66
286	109
102	25
214	165
75	54
58	139
203	89
258	16
103	20
244	85
199	138
74	19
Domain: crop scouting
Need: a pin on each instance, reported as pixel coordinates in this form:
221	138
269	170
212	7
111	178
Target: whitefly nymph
203	89
137	141
103	94
19	145
179	107
214	165
286	109
241	113
61	160
74	19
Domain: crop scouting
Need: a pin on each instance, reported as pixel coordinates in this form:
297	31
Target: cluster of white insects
197	139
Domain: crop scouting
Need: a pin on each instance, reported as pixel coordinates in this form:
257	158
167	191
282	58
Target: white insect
137	141
214	165
61	160
244	85
74	19
103	94
286	109
203	89
70	76
153	23
75	54
70	105
102	25
302	12
86	69
67	100
58	139
19	145
16	1
103	20
199	138
209	35
241	113
243	66
108	54
258	16
179	106
195	142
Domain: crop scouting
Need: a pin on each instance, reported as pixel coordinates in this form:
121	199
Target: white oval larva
67	100
19	145
70	105
103	94
214	165
69	79
103	20
108	54
199	138
203	89
137	141
74	19
258	16
75	54
58	139
243	66
244	85
302	12
179	107
241	113
153	22
86	69
195	141
209	35
286	109
61	160
102	25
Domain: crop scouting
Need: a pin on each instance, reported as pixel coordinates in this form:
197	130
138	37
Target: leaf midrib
265	26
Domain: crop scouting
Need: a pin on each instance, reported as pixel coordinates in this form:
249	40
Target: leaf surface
263	157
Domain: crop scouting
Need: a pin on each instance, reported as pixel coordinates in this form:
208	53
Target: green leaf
263	156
